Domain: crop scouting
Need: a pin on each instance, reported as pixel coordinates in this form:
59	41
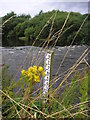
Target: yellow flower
36	78
33	73
29	74
26	72
34	70
23	72
40	69
31	78
30	69
35	67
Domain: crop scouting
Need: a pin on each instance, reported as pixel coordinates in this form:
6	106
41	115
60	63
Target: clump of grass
71	104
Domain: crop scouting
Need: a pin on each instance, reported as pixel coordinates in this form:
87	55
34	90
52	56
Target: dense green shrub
29	28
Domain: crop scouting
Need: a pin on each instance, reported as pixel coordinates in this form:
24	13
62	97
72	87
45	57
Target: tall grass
72	102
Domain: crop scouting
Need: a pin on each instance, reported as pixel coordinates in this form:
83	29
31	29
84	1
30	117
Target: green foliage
6	17
6	104
6	79
23	38
10	29
29	33
25	26
84	88
70	93
75	93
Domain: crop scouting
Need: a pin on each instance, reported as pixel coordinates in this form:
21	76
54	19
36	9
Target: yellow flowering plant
28	78
33	73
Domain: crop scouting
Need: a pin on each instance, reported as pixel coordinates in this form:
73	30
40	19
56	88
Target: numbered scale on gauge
47	68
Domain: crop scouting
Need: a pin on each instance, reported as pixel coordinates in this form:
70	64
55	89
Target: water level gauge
48	69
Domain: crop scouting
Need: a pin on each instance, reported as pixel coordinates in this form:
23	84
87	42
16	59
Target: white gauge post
48	65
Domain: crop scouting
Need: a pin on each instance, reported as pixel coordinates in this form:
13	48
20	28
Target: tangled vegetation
70	104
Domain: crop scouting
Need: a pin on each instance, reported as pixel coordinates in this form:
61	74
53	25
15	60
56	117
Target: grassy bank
72	103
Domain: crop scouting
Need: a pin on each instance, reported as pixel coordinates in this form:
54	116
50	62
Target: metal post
48	64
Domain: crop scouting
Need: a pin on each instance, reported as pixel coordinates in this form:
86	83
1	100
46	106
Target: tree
40	12
23	26
6	17
29	33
